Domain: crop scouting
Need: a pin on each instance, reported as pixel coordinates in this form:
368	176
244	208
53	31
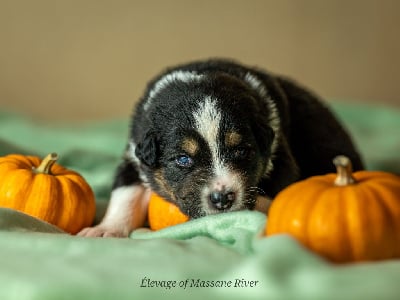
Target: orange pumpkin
46	190
345	217
162	214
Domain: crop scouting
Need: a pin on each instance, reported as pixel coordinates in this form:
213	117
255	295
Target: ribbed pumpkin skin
358	222
162	214
62	198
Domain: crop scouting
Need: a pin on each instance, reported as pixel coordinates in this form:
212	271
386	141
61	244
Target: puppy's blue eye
184	161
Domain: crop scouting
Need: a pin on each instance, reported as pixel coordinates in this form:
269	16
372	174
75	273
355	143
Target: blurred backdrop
91	59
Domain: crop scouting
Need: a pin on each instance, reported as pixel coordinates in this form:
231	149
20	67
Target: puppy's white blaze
183	76
208	125
273	119
225	179
207	122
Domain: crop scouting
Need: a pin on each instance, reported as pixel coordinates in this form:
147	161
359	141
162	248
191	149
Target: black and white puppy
211	136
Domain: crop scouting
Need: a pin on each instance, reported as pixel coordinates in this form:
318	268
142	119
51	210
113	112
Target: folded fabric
13	220
195	259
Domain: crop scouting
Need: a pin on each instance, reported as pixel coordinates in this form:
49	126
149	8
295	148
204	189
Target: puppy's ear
148	149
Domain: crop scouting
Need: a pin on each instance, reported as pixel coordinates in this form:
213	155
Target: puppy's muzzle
222	200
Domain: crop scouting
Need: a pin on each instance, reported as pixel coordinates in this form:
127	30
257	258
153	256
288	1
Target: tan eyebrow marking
232	139
190	146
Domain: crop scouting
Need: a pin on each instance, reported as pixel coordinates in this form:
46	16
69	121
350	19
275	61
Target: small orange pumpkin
345	217
46	190
162	214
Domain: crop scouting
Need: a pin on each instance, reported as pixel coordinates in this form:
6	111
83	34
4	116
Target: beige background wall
90	59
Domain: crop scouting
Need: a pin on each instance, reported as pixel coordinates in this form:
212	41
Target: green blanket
219	257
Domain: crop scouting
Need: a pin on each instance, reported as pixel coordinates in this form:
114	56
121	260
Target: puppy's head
208	146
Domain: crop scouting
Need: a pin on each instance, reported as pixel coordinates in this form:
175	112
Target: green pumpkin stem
47	163
344	171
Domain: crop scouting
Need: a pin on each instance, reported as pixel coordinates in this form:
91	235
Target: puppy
212	136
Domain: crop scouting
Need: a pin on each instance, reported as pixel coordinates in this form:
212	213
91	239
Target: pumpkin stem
344	171
47	163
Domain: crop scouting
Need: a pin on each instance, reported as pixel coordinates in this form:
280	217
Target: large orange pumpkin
344	217
46	190
162	214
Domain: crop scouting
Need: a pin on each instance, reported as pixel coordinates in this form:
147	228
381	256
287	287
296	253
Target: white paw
104	231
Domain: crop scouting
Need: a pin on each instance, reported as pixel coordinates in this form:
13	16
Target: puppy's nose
222	200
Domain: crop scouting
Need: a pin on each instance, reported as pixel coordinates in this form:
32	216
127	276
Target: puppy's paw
102	230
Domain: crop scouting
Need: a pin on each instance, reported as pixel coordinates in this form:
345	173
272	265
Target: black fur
126	174
147	150
309	138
